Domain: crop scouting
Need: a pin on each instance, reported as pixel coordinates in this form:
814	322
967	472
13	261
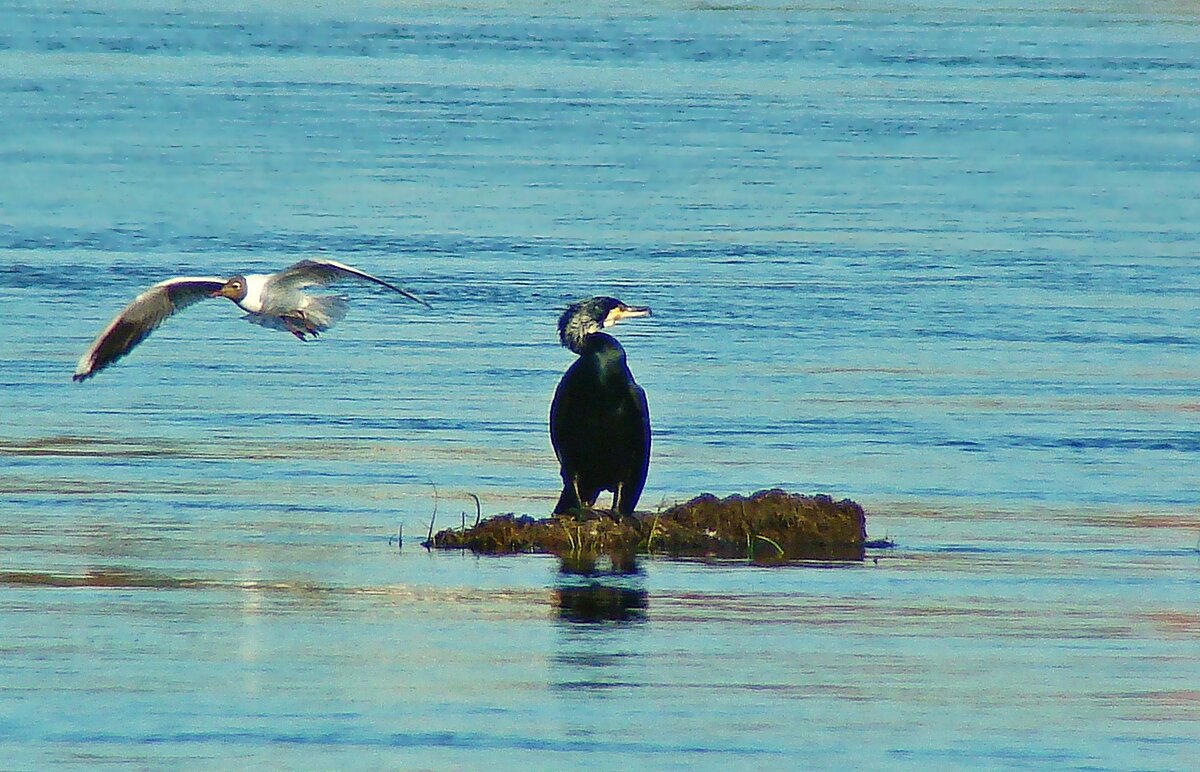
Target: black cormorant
599	421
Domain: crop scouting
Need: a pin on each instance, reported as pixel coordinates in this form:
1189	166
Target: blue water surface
936	257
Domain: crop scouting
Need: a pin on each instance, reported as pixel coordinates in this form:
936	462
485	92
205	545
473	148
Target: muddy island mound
767	526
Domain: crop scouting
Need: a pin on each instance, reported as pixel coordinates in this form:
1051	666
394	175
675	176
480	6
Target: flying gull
274	300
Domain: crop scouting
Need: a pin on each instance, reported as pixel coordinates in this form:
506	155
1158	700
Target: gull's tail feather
318	314
326	310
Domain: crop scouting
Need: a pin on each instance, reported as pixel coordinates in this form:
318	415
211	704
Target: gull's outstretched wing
308	273
140	318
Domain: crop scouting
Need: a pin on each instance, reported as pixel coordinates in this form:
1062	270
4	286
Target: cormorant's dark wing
641	460
559	408
309	273
570	446
141	317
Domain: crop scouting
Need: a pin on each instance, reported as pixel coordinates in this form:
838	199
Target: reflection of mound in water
591	564
769	526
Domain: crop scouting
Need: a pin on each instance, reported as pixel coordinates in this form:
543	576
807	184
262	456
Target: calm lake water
937	258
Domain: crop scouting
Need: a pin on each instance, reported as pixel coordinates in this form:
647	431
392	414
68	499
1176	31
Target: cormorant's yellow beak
625	312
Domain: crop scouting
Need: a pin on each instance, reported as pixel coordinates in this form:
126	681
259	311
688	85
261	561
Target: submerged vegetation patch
768	526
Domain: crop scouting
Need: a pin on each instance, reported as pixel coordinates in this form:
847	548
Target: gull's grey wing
141	317
308	273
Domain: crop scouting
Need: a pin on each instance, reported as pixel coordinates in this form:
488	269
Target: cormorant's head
234	289
588	316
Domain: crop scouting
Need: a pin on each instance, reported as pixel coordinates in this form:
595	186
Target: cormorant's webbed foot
624	518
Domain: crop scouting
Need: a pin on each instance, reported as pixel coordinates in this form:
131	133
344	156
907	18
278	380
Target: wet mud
768	526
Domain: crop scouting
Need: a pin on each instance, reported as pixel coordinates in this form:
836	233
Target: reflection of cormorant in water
600	589
601	603
599	420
